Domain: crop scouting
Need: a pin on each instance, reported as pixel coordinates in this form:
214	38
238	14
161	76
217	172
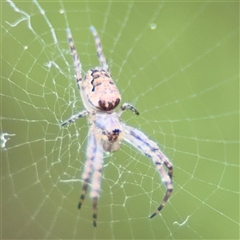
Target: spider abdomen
111	130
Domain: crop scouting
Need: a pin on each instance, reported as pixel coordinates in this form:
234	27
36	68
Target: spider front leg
127	106
76	59
74	117
151	150
100	54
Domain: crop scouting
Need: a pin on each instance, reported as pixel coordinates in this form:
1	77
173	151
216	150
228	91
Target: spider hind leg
167	179
149	148
83	194
166	197
95	210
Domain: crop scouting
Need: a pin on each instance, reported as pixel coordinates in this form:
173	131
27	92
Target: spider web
177	62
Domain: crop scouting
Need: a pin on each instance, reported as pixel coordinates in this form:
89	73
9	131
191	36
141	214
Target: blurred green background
178	63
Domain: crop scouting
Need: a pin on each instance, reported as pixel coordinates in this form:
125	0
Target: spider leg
96	179
87	172
92	169
127	106
76	59
100	54
146	146
75	117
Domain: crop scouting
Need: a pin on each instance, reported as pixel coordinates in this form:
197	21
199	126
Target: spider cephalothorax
100	90
100	97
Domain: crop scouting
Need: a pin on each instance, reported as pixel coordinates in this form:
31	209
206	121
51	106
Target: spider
100	97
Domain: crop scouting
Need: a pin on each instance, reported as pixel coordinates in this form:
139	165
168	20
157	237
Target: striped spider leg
100	98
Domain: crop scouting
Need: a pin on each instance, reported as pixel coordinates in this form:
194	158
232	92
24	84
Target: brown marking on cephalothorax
100	77
108	106
96	72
